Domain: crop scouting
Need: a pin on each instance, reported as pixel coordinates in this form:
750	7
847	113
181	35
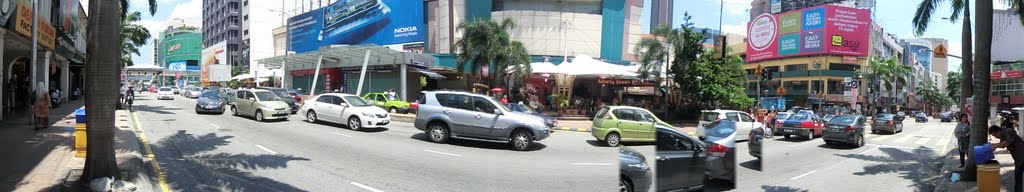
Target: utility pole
35	44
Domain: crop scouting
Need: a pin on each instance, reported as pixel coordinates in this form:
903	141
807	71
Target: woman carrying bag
41	109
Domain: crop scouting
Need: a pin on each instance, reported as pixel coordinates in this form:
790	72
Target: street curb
147	152
943	184
586	130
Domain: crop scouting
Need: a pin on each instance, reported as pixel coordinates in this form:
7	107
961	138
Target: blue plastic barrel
80	115
982	153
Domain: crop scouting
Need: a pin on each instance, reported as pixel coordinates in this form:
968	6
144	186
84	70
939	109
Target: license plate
788	130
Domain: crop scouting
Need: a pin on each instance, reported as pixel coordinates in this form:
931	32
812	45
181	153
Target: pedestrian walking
504	99
1009	139
963	137
41	109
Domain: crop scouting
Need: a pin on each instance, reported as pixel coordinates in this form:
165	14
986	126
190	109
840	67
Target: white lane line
802	175
368	188
595	164
265	149
866	151
443	153
342	134
211	124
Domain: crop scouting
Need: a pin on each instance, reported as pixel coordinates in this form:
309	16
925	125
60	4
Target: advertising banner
825	29
353	22
213	55
919	52
7	9
23	25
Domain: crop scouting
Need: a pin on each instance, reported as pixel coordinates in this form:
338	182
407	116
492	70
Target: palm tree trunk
101	82
966	88
983	59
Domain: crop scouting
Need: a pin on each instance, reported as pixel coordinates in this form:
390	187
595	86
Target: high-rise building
940	64
223	22
661	13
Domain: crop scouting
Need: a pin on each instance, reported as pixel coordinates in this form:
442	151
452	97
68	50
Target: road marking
866	151
904	139
923	141
160	177
883	137
265	149
218	127
368	188
595	164
802	175
944	142
443	153
336	133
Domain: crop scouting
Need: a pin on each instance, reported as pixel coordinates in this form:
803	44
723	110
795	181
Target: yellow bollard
80	140
988	177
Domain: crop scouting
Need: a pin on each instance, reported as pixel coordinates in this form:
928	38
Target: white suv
744	122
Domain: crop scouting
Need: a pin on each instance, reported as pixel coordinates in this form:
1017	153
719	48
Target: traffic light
768	74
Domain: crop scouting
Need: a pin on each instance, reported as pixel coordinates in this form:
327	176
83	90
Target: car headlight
367	114
641	166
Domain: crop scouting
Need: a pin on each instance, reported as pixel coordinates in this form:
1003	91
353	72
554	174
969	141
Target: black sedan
210	101
946	117
682	161
635	173
847	129
921	118
548	119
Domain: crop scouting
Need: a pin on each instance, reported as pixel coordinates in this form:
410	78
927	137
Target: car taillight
778	125
414	106
890	122
717	150
850	129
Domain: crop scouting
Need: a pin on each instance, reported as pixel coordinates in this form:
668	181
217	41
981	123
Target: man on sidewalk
1009	139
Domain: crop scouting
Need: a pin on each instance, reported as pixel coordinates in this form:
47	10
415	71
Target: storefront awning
429	73
347	56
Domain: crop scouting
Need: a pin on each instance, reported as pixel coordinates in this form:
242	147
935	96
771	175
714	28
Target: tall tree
485	43
953	87
101	80
890	73
133	36
920	23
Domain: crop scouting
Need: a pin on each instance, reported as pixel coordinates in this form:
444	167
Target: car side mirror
498	112
252	99
343	104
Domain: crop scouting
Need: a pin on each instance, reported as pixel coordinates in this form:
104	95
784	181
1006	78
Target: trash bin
988	177
80	138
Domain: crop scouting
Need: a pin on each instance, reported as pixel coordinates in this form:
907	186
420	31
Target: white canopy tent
586	65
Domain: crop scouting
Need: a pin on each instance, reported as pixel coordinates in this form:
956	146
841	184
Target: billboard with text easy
823	29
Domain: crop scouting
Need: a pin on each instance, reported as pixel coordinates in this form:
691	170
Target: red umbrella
497	90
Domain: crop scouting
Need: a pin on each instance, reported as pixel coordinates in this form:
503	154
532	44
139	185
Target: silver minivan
451	114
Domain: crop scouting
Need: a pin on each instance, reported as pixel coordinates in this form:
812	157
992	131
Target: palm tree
983	58
653	53
101	82
920	21
132	36
890	72
485	43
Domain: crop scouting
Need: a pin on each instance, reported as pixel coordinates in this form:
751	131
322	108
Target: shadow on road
782	189
752	164
364	130
838	146
921	165
189	167
596	143
536	146
792	139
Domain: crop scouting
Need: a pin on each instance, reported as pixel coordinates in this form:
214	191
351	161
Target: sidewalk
951	165
45	160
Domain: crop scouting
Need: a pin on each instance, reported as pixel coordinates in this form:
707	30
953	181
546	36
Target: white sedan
165	93
345	109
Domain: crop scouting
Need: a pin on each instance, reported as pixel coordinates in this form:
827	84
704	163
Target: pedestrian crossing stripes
938	142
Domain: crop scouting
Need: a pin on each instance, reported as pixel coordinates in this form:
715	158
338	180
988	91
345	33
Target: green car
388	102
615	124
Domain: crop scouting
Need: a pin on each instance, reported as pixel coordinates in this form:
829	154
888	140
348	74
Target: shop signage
23	25
849	59
1007	74
825	29
625	82
174	47
835	98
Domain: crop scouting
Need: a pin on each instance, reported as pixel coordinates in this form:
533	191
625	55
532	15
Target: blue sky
167	10
893	15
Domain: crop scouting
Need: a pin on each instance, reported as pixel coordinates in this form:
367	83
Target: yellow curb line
149	154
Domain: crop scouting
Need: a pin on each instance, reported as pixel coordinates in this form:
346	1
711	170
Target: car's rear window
709	116
884	116
843	120
799	117
722	128
783	115
165	89
602	113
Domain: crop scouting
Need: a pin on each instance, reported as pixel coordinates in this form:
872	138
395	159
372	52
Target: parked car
921	118
210	101
946	117
887	122
153	89
261	104
721	142
681	161
176	90
193	92
745	122
549	120
386	101
828	117
782	116
808	125
463	115
287	98
347	109
634	173
754	144
848	129
165	93
615	124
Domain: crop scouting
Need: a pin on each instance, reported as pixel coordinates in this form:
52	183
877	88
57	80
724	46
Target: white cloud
735	7
189	10
740	29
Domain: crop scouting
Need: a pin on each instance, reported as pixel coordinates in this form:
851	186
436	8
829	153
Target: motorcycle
55	95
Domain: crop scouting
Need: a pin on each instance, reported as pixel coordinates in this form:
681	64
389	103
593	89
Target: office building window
1008	87
796	67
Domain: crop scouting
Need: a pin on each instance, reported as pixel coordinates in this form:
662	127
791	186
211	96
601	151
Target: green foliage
233	84
932	95
133	36
953	86
889	72
239	70
188	28
486	43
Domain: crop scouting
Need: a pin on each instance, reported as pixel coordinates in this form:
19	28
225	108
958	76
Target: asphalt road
226	153
906	161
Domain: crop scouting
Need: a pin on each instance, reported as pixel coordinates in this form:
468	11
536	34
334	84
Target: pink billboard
823	29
